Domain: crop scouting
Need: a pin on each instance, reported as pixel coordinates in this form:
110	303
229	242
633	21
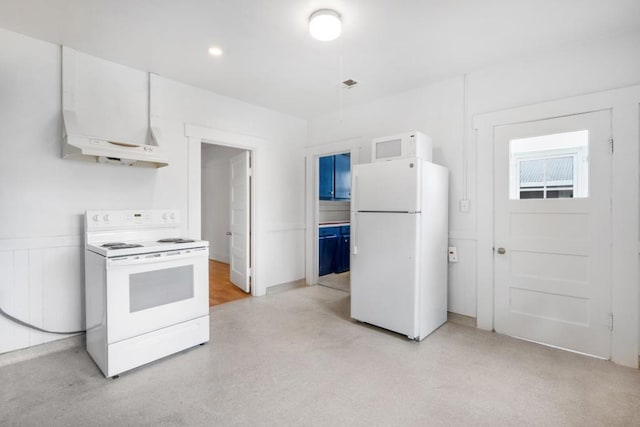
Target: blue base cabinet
334	249
344	250
328	245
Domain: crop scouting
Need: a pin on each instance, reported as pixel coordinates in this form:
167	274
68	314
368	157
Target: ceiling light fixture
215	51
325	25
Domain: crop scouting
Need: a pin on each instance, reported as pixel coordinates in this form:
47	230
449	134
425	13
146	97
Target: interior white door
240	228
552	255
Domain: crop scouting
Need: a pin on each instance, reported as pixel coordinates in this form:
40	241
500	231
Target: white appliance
85	78
402	146
399	245
146	288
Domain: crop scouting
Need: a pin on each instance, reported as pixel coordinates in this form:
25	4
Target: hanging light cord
340	77
37	328
340	86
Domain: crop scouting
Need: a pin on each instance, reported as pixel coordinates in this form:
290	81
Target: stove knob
106	217
173	217
164	216
96	218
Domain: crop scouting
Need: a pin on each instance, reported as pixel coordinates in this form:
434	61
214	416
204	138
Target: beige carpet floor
295	358
339	281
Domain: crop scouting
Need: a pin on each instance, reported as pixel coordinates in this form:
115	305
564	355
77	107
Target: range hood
79	146
98	88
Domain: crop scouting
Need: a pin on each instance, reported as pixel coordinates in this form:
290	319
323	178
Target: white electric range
146	288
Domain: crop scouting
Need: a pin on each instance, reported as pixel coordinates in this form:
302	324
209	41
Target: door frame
196	137
624	105
312	180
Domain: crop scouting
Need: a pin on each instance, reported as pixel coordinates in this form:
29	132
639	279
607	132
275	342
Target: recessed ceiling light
325	24
215	51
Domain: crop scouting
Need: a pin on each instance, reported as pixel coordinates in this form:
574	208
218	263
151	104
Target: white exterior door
240	208
552	256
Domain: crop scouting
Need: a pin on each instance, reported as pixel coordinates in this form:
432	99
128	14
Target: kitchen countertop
333	223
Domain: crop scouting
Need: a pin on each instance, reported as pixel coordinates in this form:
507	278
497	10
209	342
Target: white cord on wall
37	328
465	142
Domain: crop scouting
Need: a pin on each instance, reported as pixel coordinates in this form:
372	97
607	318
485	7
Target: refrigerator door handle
355	192
354	235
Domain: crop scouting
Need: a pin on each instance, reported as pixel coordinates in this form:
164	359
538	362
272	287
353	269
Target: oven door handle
156	257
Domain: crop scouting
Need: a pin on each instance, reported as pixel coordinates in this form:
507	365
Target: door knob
228	233
501	251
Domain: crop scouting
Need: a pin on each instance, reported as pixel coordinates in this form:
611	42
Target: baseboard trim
461	319
29	353
286	286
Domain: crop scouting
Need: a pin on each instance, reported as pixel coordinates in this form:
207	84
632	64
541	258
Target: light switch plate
453	254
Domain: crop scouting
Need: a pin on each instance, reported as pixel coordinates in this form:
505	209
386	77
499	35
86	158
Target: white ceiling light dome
215	51
325	25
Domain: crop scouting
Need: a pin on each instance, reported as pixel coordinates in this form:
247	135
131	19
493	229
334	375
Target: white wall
438	110
279	166
216	202
43	197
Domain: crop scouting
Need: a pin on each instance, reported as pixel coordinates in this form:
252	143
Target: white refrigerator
399	226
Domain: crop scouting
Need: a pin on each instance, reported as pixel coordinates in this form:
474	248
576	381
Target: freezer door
392	186
384	270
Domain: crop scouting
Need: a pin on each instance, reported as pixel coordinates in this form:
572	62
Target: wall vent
348	84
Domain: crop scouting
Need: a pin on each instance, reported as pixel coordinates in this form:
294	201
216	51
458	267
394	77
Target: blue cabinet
334	249
327	247
335	177
344	250
326	177
342	176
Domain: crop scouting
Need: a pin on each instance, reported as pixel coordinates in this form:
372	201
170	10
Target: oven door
151	291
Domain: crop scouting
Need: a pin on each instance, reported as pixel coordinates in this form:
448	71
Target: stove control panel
96	220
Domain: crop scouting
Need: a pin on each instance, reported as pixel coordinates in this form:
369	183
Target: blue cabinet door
327	249
326	177
344	250
343	176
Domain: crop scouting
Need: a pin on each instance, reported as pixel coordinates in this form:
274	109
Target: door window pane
549	166
535	194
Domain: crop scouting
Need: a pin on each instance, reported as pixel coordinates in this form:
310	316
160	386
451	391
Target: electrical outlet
464	205
453	254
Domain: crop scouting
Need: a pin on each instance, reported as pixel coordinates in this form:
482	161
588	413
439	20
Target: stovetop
110	249
120	245
175	240
115	233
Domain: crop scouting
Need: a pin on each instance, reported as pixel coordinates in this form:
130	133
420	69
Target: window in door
550	166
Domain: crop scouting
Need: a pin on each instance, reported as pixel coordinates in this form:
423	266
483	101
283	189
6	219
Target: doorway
333	186
225	216
552	217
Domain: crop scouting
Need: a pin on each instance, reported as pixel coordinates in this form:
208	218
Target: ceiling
270	59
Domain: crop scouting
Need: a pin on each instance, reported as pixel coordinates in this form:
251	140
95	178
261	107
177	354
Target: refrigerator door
392	186
384	270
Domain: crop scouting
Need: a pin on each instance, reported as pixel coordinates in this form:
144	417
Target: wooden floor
221	290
